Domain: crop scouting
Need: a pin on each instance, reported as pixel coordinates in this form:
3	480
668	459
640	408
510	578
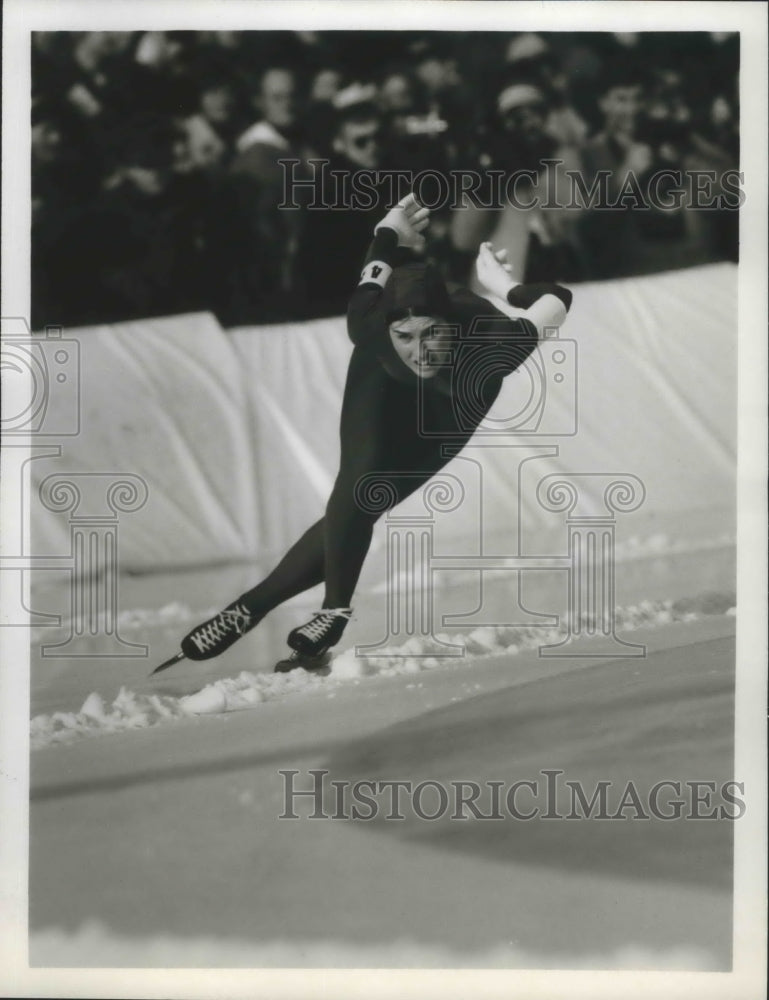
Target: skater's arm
544	304
363	319
383	255
395	237
511	325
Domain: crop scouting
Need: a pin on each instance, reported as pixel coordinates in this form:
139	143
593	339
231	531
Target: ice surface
133	711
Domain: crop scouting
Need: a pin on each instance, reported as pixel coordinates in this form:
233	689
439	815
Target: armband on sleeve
383	255
375	272
524	296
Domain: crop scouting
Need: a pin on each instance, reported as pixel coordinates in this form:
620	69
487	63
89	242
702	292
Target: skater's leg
368	408
402	458
381	439
348	539
376	435
300	569
304	564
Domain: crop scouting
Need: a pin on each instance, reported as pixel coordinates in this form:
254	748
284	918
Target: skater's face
420	342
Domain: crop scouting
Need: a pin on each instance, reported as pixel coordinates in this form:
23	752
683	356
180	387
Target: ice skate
323	631
217	634
311	642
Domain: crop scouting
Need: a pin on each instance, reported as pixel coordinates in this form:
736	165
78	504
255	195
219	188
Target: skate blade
168	663
312	664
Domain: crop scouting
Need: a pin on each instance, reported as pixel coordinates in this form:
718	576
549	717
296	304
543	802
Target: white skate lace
209	635
322	622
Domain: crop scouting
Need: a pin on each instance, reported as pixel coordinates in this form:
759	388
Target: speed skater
403	320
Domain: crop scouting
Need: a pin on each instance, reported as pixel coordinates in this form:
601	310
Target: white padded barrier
235	434
164	400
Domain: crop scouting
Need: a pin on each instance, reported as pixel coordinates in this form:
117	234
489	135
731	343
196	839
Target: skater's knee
365	498
377	493
345	503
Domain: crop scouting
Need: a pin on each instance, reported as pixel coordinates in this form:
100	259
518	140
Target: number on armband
376	271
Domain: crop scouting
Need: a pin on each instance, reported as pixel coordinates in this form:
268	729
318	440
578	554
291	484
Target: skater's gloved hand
493	271
408	220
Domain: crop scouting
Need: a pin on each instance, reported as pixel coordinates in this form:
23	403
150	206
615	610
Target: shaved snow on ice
138	711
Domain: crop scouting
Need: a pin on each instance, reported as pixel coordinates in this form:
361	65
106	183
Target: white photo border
748	976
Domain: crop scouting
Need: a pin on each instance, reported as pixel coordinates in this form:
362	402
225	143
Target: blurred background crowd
156	180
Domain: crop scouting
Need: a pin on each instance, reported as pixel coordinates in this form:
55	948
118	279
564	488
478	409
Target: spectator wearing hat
535	222
530	59
357	130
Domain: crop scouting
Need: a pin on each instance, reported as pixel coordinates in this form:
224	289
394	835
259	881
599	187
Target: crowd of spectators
157	181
